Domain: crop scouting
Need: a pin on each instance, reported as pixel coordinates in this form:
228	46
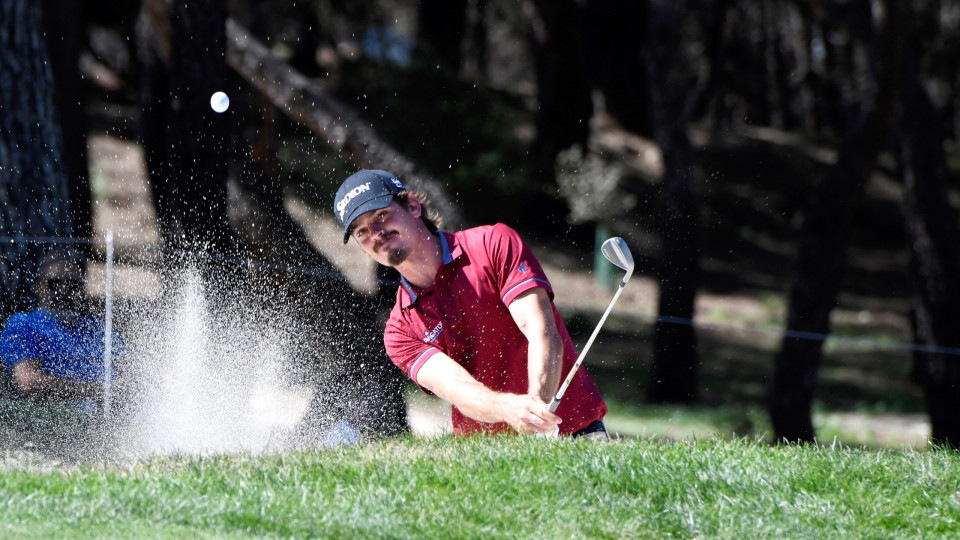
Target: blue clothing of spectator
73	352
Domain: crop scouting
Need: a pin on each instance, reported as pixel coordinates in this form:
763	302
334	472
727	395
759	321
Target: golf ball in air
219	102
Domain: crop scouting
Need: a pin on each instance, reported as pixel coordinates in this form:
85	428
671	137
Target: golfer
474	321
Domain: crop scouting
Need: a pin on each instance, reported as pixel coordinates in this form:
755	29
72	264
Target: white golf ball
219	102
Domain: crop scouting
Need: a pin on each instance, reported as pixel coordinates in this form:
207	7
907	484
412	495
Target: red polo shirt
464	315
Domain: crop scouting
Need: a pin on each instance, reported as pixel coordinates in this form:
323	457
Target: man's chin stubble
397	256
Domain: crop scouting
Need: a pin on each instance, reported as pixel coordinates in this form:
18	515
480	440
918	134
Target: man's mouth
386	238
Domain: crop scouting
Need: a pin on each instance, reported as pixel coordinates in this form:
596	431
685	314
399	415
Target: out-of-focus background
784	171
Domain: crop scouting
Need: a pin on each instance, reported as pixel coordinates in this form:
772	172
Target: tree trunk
440	30
475	60
66	31
563	94
184	138
935	249
710	102
820	258
675	363
34	186
770	42
363	387
614	35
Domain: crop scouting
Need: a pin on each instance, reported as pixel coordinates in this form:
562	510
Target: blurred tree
476	58
674	374
65	39
184	140
564	106
710	102
34	182
935	248
614	34
441	25
820	259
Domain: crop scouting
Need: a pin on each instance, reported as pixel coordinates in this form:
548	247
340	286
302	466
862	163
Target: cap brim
382	201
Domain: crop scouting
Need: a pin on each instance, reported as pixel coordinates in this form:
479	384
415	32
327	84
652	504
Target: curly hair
430	217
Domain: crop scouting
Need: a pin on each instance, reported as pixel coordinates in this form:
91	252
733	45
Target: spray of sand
212	379
207	371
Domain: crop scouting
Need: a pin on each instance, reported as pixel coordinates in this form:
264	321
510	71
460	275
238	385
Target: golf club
617	252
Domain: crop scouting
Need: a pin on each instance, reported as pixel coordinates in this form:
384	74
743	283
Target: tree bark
674	377
820	259
34	184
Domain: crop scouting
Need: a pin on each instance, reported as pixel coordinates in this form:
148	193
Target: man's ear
413	206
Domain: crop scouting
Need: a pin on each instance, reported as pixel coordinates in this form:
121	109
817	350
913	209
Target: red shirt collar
452	250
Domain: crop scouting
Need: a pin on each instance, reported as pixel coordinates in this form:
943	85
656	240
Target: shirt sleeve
516	269
405	349
19	341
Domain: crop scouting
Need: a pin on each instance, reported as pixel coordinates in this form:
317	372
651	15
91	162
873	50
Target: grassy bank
504	487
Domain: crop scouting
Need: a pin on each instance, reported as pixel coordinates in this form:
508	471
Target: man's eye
359	234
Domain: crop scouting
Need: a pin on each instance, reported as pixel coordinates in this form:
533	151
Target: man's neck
420	268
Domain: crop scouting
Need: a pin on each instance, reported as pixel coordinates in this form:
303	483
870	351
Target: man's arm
32	381
533	313
446	378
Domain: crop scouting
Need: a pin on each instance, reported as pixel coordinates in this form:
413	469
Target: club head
617	252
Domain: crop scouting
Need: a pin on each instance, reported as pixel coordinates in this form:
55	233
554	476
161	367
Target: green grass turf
507	487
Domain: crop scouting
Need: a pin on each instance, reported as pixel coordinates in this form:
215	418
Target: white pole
108	329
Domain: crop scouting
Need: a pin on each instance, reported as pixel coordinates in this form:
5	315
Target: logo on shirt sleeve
431	336
523	268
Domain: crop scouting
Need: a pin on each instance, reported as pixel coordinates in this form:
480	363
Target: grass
864	395
500	487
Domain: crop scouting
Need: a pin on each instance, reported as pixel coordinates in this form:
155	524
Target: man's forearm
544	366
533	313
32	381
475	400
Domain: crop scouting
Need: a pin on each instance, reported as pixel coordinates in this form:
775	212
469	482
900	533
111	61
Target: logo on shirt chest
431	336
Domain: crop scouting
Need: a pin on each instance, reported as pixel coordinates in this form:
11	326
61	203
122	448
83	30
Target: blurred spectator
56	350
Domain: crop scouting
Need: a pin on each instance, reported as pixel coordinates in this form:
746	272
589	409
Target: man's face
389	234
60	287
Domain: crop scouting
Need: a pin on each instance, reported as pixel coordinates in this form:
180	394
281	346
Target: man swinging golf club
474	321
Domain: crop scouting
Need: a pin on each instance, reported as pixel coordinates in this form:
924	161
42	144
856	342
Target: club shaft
583	354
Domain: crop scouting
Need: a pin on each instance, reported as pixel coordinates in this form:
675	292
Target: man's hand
528	415
32	381
446	378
